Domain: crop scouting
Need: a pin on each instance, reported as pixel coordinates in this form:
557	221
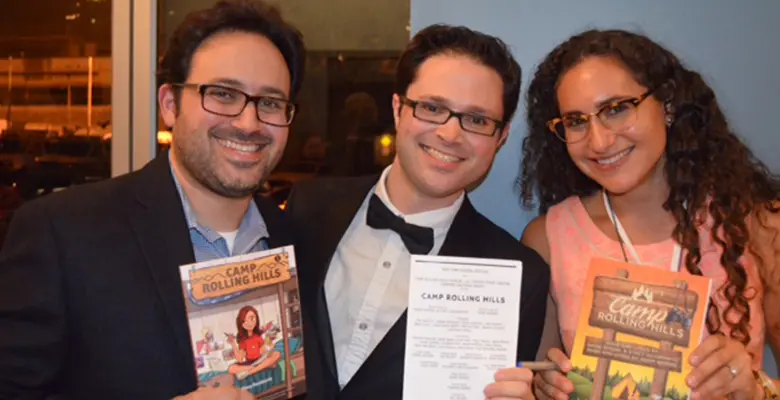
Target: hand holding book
722	367
637	327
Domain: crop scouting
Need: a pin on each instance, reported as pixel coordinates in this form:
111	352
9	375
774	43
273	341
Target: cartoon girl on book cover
252	345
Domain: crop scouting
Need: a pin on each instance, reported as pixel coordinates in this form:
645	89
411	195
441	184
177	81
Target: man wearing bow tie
456	92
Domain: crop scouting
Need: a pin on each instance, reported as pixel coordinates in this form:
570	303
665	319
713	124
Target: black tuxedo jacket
91	304
320	212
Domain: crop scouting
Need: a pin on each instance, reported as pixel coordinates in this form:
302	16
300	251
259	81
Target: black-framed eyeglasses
231	102
438	114
616	116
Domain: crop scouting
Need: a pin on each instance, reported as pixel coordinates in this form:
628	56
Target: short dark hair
441	39
233	16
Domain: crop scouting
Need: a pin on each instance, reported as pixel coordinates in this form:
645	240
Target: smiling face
250	322
438	161
230	156
618	160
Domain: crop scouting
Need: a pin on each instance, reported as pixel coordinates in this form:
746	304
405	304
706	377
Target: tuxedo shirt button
386	264
363	326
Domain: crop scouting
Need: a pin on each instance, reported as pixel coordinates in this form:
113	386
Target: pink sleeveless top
574	239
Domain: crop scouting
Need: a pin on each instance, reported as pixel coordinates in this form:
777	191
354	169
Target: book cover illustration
637	328
245	322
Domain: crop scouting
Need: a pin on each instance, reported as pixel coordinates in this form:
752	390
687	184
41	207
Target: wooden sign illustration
660	313
222	280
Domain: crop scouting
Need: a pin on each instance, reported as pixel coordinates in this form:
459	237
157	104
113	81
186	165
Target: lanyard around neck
625	241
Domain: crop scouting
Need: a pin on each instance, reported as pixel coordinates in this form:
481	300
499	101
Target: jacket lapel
458	242
329	232
157	218
336	220
278	228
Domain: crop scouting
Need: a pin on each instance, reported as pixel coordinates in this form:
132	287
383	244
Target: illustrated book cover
245	323
637	328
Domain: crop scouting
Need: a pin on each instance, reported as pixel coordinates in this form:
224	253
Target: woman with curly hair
629	157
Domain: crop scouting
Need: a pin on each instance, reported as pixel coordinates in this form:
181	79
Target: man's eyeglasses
230	102
615	116
438	114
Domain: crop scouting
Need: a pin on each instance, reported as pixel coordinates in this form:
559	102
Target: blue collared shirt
209	245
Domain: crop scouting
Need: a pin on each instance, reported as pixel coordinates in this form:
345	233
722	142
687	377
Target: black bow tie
417	239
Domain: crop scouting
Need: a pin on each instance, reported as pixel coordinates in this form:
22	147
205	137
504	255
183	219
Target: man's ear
504	136
168	103
396	109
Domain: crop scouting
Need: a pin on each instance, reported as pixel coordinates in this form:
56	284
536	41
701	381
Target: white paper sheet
462	325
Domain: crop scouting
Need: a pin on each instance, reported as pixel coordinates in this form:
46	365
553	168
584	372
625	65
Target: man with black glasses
456	91
91	302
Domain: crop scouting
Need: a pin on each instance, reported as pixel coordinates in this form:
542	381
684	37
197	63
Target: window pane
344	125
55	98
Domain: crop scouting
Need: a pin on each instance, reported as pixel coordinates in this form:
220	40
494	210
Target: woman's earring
669	119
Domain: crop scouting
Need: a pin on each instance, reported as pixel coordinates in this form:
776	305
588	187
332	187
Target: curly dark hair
707	167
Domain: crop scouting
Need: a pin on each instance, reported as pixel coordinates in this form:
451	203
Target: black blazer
91	304
320	212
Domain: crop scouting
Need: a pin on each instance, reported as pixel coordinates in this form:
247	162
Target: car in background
16	160
10	200
72	161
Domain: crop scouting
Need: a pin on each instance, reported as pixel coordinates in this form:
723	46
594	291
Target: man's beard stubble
199	165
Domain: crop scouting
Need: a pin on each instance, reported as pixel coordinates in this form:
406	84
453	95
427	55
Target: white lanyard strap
676	254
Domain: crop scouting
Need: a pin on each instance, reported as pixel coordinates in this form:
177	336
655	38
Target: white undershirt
230	239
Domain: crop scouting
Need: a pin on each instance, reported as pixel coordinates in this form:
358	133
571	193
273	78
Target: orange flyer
636	330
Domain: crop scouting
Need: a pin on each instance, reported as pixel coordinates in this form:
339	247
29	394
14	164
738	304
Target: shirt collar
437	219
252	227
